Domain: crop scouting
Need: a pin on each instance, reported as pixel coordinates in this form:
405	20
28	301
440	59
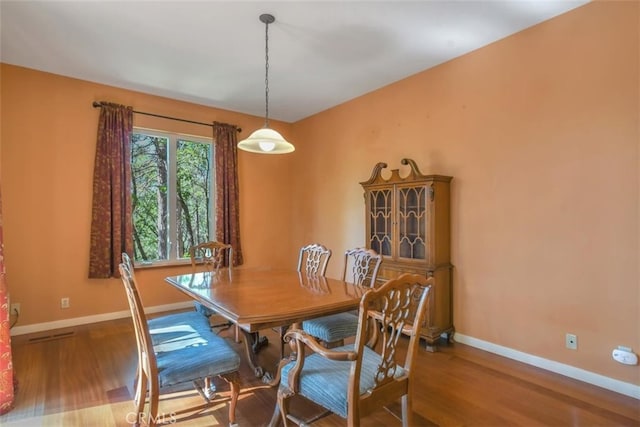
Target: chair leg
140	393
154	399
275	418
407	413
283	402
234	383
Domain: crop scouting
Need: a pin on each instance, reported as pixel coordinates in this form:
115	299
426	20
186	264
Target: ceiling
321	53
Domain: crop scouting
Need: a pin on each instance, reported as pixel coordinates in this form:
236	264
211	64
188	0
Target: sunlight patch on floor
97	416
187	407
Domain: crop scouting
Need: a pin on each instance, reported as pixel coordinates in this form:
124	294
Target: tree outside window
172	190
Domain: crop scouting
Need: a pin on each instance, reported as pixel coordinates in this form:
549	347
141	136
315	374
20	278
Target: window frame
172	183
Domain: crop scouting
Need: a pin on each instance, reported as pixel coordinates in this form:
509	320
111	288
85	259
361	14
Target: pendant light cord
266	74
266	140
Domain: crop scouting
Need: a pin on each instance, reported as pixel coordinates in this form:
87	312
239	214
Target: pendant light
266	140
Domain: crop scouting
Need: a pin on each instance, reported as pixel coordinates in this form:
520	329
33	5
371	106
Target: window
172	194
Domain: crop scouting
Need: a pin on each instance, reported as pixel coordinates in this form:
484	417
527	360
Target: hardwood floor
82	377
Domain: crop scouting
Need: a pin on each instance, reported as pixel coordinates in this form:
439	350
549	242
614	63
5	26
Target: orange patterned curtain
111	220
6	365
227	194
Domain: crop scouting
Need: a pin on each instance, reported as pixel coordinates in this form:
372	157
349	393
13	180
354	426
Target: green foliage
193	193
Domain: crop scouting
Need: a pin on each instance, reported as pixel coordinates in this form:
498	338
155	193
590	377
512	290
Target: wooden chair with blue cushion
217	258
207	389
176	349
361	268
357	379
312	260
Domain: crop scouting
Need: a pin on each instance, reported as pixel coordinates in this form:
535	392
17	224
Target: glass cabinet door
412	203
380	221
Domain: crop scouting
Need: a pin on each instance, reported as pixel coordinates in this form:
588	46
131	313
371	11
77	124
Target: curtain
227	194
6	364
111	219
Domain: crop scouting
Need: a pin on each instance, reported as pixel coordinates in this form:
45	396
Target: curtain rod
97	104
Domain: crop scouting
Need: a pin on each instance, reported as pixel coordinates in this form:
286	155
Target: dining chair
312	260
361	268
160	323
215	257
176	349
357	379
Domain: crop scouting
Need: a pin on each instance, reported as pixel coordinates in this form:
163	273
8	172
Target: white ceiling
321	53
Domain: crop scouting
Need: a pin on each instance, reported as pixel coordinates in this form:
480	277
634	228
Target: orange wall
540	132
48	141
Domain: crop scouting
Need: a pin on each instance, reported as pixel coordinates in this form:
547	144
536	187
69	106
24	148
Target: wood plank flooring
83	378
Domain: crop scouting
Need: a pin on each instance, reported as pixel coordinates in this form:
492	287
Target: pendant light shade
266	140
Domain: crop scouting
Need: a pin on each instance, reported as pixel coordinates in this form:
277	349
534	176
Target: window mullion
172	198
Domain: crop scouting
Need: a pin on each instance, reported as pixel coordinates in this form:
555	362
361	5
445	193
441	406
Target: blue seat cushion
325	381
332	328
187	349
158	325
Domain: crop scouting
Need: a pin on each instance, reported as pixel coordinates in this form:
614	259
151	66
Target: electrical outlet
571	341
15	309
64	303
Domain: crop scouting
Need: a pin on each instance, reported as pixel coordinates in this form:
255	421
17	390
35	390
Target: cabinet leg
450	337
445	338
431	347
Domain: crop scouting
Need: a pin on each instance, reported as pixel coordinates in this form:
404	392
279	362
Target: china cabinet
407	221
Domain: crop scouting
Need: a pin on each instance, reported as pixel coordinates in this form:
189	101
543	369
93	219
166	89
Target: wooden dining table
258	299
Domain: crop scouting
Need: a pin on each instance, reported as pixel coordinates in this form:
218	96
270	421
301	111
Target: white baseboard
76	321
618	386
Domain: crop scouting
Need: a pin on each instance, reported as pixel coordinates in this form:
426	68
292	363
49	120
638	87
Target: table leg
252	344
274	382
259	342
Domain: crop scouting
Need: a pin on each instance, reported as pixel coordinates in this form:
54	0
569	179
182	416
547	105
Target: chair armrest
302	340
301	337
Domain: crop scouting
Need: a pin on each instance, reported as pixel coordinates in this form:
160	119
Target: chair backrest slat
361	266
313	259
213	255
